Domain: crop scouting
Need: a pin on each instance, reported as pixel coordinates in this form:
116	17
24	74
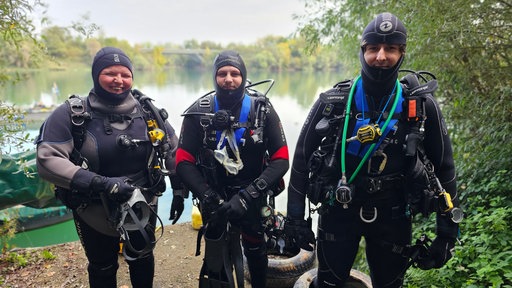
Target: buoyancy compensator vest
424	191
133	216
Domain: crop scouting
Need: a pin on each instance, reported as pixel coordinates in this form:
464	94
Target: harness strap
148	236
79	116
354	147
242	119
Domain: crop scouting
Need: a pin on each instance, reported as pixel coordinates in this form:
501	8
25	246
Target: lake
292	95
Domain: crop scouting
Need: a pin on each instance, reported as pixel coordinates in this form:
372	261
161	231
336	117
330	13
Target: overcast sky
161	21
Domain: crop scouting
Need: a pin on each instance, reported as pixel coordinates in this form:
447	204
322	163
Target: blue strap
243	117
354	147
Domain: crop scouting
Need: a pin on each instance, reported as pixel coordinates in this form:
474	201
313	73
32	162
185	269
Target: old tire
284	271
357	280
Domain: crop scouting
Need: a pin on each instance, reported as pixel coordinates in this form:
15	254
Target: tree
18	33
16	29
467	44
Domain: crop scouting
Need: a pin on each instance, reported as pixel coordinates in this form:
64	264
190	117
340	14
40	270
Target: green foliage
7	231
17	259
483	258
17	39
47	255
12	129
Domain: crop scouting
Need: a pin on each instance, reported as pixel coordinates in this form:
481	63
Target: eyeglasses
221	154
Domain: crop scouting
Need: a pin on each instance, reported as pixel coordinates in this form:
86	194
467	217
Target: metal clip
368	220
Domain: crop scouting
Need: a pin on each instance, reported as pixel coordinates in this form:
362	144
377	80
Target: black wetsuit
340	228
253	155
106	157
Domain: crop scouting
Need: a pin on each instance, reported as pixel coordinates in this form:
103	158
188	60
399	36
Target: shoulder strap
338	94
415	95
79	115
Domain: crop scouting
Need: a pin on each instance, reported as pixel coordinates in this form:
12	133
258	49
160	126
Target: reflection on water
291	95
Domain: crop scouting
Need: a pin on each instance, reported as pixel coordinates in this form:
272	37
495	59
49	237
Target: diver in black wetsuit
226	167
112	156
350	157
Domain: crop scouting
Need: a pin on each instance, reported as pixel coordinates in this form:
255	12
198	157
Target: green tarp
16	188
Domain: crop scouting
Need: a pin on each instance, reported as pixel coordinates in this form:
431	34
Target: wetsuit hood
106	57
385	28
228	98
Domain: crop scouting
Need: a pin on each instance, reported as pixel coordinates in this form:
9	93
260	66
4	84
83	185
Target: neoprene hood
106	57
228	98
386	28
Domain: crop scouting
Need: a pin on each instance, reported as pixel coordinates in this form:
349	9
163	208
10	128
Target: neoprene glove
177	207
301	234
117	188
237	206
438	254
210	202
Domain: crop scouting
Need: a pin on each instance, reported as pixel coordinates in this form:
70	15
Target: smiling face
382	56
116	79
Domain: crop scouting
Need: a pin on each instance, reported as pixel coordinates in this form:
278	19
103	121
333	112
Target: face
228	77
382	55
115	79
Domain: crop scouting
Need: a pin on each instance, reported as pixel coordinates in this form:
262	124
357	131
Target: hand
210	202
117	188
177	207
300	232
438	254
237	206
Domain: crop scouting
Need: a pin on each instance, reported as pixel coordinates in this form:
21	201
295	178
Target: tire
284	271
357	279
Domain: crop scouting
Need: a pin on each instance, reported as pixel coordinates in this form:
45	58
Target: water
292	95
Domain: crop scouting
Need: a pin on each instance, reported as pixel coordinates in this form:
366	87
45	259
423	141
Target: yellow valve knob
368	133
445	201
152	124
156	135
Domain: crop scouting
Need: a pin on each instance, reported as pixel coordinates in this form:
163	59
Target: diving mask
221	154
135	212
232	166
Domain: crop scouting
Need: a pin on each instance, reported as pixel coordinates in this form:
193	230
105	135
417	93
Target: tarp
17	188
32	218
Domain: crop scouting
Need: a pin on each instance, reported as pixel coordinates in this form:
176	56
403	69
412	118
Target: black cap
385	28
106	57
228	98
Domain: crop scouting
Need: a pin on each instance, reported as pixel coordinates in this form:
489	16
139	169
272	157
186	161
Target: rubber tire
284	272
357	279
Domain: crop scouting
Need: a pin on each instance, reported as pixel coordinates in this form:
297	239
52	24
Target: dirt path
176	264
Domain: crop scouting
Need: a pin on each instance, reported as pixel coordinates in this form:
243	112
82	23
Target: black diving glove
117	188
177	208
210	203
439	253
237	206
301	234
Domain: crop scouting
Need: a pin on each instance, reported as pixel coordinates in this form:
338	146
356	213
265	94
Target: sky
174	21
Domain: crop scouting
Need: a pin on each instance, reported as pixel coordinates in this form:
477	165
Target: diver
350	159
229	158
108	158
